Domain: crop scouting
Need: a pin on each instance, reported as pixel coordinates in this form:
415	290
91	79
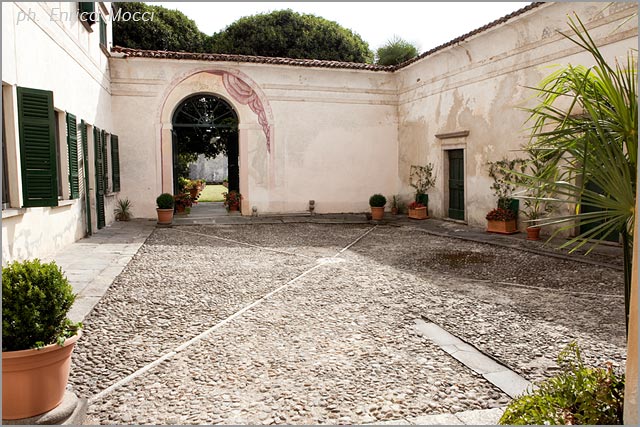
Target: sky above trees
425	24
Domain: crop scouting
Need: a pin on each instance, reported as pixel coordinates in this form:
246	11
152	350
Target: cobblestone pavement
337	344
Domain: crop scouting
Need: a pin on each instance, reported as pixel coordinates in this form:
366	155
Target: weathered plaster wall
334	132
479	85
50	51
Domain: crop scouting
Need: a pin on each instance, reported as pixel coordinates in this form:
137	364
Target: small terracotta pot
377	213
193	192
165	216
533	233
233	208
180	208
394	211
34	381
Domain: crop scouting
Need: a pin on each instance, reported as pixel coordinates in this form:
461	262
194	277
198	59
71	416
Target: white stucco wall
51	50
479	86
334	132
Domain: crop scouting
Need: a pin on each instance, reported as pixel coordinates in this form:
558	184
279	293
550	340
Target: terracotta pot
502	227
180	208
377	213
165	216
418	213
233	208
394	211
34	381
193	192
533	233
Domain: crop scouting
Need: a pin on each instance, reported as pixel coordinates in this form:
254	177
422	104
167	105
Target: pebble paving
335	347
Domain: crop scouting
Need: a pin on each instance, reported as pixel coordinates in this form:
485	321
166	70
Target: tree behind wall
396	51
285	33
169	30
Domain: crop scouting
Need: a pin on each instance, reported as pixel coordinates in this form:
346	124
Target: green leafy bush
578	395
165	201
377	201
36	298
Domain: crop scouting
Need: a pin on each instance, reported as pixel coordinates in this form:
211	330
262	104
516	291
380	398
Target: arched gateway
205	124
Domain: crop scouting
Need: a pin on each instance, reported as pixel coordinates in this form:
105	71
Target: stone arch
246	98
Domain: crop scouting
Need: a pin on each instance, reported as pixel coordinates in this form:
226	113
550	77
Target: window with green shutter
103	31
36	128
99	165
115	162
72	143
87	12
105	170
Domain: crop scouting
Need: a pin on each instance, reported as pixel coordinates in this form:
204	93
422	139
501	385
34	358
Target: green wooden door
612	237
85	161
456	184
98	143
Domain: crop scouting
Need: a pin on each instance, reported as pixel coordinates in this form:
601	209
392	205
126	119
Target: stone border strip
497	374
476	418
218	325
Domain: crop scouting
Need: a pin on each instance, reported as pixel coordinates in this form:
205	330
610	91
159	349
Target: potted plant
123	210
422	178
417	211
37	338
501	220
377	202
165	203
537	199
506	175
232	200
182	202
395	204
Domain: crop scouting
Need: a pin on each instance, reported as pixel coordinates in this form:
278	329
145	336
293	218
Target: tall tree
169	30
285	33
395	52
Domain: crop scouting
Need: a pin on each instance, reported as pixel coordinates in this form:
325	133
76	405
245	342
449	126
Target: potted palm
37	338
165	203
377	203
422	178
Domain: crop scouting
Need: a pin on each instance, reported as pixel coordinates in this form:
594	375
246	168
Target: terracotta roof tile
221	57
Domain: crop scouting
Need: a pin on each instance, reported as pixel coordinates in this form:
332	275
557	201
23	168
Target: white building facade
334	133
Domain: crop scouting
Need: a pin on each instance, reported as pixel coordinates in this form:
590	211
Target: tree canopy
169	30
395	52
285	33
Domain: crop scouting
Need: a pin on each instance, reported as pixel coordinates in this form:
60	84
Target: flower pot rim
46	349
164	210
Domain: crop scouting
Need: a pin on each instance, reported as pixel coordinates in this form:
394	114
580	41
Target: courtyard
310	323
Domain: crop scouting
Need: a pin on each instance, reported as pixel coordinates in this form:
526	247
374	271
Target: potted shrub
417	211
37	338
192	188
501	220
537	201
377	202
422	178
182	202
165	203
232	200
506	174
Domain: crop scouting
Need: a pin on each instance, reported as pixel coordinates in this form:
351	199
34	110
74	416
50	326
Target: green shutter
72	142
100	189
103	31
36	121
105	163
85	156
115	162
87	11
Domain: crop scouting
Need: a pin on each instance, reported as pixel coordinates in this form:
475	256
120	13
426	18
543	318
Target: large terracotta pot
502	227
34	381
165	216
234	208
193	192
418	213
377	213
533	233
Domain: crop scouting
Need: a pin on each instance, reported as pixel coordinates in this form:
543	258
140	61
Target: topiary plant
578	395
36	298
165	201
377	201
